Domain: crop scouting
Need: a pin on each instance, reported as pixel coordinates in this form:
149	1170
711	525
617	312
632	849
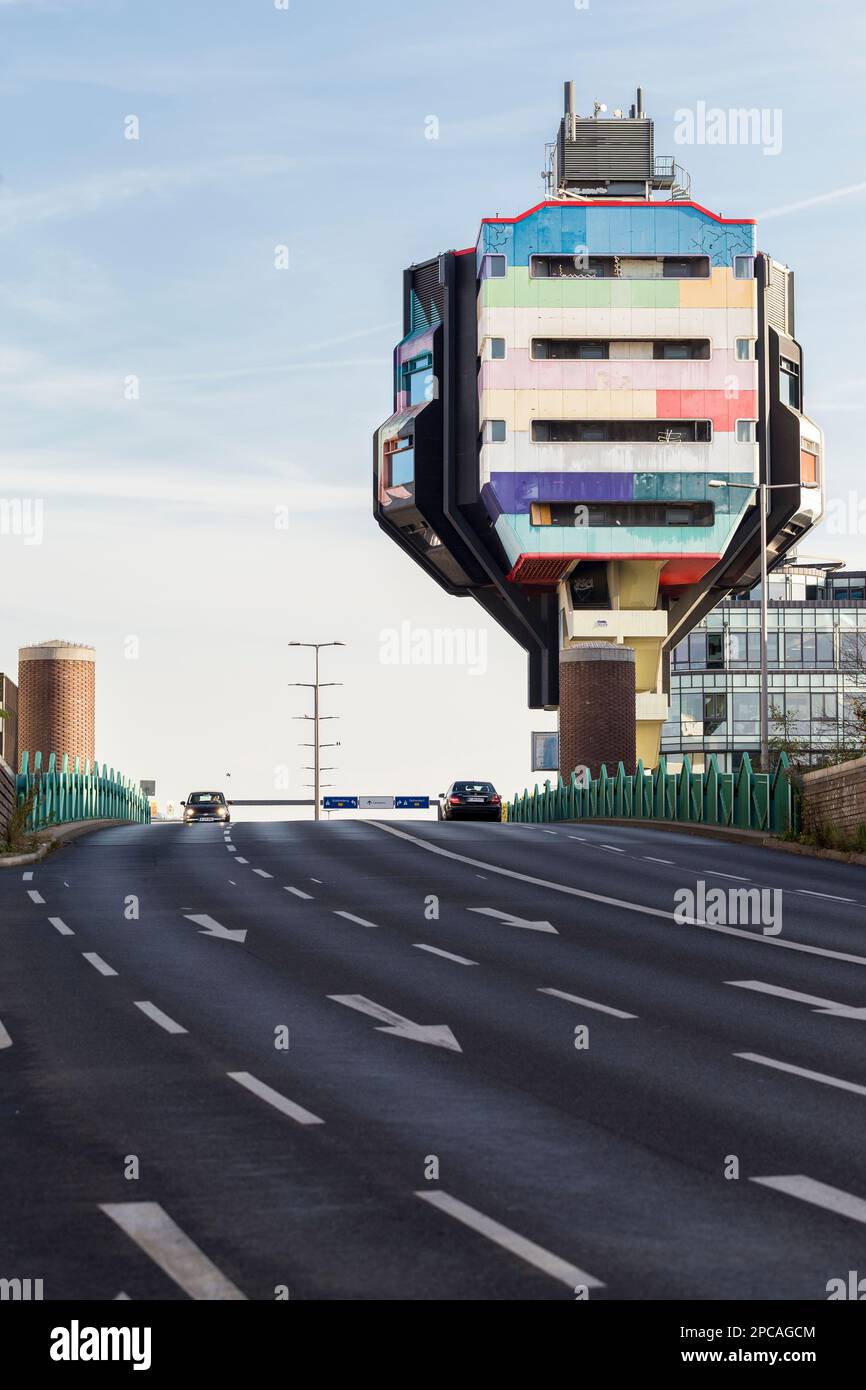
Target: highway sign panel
377	803
340	803
412	803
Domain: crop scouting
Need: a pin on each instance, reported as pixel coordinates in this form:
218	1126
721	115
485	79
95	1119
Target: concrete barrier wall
835	797
7	796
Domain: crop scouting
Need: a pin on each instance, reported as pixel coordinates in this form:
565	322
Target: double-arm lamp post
316	686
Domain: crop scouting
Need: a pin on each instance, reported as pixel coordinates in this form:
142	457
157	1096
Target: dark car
206	806
470	801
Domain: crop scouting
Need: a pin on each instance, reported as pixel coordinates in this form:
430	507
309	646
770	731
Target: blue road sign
340	803
411	803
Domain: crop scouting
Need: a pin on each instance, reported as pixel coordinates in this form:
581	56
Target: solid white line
651	859
350	917
820	1194
27	876
281	1103
613	849
239	860
158	1016
98	963
461	960
832	896
60	925
297	892
154	1232
525	1249
587	1003
641	908
718	874
803	1071
5	1040
34	896
261	872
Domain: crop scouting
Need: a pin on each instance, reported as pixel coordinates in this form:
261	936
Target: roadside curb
731	835
56	837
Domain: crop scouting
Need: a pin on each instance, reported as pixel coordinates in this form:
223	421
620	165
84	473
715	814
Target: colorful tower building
584	403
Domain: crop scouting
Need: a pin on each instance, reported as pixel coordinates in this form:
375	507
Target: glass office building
817	669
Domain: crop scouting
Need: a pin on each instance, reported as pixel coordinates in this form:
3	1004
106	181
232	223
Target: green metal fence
743	799
80	794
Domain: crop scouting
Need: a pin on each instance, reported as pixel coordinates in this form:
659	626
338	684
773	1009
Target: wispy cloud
89	195
850	190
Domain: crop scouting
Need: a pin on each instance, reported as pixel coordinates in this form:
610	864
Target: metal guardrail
64	795
744	799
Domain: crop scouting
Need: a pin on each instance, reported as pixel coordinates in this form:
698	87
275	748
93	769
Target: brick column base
596	707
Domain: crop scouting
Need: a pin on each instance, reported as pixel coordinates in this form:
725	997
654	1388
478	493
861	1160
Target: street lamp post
316	686
762	489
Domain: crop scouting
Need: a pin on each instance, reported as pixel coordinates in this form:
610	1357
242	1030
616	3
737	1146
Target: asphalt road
510	1073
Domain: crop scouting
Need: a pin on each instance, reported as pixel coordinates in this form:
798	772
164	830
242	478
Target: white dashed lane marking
350	917
59	925
261	873
98	963
154	1232
437	951
298	892
34	896
158	1016
279	1102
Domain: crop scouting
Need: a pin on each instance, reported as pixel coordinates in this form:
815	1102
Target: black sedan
470	801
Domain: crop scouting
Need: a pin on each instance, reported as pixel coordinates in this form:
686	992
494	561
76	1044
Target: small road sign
340	803
411	803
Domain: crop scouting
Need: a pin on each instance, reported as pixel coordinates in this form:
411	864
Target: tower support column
596	707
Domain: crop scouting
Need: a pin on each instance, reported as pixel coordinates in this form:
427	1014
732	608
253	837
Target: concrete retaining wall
835	797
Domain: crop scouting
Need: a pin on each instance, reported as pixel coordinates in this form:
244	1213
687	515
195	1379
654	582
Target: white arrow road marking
439	1034
34	896
158	1016
436	950
261	873
298	892
820	1194
820	1006
777	941
508	919
527	1250
98	963
154	1232
350	917
803	1071
59	925
587	1003
5	1040
210	927
281	1103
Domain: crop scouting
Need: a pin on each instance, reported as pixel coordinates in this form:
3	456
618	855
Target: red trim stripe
620	203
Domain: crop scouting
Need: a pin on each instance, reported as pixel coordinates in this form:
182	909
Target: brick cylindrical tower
57	701
596	707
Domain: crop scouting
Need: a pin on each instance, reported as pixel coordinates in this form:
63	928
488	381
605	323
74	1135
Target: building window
789	382
746	711
399	458
715	712
715	649
747	431
621	514
497	348
493	267
493	432
744	267
583	267
744	349
824	707
621	431
623	349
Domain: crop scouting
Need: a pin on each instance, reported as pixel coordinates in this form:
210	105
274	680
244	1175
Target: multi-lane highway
409	1060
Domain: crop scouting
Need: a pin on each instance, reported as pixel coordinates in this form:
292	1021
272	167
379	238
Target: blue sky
260	387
